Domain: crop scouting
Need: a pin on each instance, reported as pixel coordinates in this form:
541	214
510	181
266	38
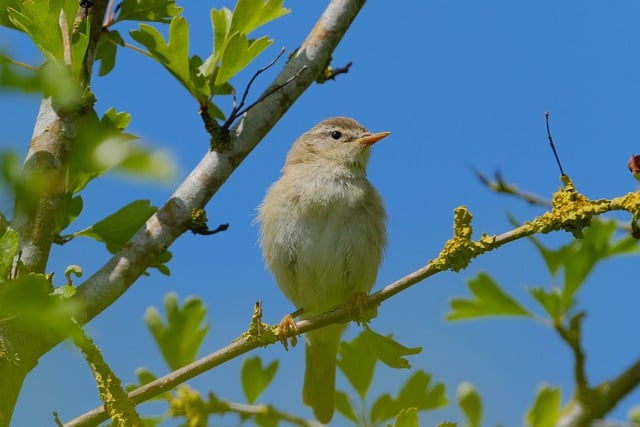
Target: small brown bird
323	235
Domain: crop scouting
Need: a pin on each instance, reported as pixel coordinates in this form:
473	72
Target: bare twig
553	146
236	108
572	336
264	96
331	73
499	185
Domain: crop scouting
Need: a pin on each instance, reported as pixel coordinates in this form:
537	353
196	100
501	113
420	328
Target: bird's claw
288	331
358	308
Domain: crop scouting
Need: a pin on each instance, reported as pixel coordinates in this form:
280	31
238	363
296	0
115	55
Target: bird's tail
320	374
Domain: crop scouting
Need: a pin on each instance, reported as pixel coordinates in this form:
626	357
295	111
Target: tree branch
581	412
456	255
162	229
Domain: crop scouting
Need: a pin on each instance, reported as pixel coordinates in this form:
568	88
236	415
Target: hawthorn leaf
107	49
407	418
415	393
116	229
255	378
489	300
546	408
180	337
343	405
238	53
148	10
357	363
387	350
470	403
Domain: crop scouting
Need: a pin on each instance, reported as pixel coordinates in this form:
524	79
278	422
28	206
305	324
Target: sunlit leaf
180	337
255	378
173	54
30	303
117	228
357	363
343	405
249	15
551	301
415	393
239	52
546	408
407	418
387	350
470	403
148	10
489	300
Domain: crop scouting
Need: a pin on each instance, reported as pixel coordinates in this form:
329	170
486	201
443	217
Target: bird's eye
336	134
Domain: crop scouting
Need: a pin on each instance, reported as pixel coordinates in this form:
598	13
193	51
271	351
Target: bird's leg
288	329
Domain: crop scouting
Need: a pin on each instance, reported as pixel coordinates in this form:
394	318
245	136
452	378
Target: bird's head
338	141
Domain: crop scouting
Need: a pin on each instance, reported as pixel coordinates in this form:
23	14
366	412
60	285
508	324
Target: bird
323	235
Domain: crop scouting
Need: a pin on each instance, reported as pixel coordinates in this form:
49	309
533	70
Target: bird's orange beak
373	138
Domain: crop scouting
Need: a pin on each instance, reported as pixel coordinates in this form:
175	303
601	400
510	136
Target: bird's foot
358	308
288	331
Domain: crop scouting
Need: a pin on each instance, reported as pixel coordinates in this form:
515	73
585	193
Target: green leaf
546	408
596	245
181	336
269	420
415	393
249	15
634	414
174	54
70	208
238	53
40	20
343	405
489	300
221	23
232	49
4	13
255	379
116	229
551	301
148	10
29	303
8	250
390	352
447	424
407	418
45	21
106	50
470	403
357	363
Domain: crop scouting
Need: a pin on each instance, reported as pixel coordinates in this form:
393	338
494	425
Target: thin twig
265	95
553	146
331	73
572	336
234	112
499	185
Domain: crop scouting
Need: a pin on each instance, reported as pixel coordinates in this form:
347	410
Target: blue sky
461	85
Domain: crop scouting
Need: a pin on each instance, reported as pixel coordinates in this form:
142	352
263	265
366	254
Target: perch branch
572	211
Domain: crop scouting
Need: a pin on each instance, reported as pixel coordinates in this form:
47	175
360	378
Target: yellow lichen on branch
460	249
571	211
